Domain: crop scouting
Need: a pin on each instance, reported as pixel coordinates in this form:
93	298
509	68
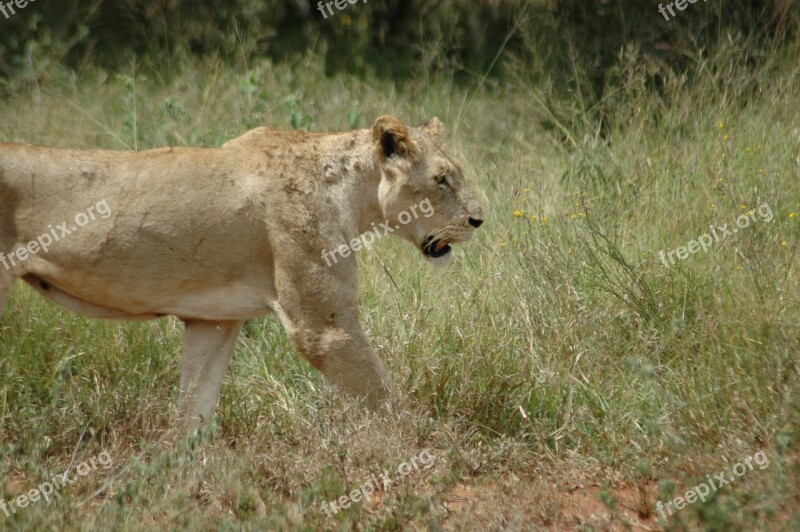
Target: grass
559	373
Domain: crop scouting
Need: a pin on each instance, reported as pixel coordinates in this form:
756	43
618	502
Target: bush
392	38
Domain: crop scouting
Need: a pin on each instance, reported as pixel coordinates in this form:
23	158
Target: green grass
557	356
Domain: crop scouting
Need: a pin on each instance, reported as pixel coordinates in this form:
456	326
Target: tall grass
557	352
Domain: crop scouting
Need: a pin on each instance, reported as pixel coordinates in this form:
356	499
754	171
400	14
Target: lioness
215	236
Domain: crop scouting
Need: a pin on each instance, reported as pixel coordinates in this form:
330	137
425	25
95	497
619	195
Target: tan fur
217	236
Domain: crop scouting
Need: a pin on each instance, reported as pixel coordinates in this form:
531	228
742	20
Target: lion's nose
474	222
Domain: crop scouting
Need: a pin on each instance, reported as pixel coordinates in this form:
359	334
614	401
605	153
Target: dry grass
561	376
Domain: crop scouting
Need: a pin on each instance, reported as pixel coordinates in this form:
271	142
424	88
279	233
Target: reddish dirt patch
583	506
511	503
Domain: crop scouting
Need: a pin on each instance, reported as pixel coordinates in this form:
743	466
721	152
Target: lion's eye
442	181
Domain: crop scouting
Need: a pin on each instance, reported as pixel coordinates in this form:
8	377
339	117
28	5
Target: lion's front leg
318	307
207	350
343	354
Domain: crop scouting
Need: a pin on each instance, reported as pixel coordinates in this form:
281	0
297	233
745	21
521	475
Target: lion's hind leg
207	350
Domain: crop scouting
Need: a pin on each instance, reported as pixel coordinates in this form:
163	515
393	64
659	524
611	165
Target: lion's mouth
435	248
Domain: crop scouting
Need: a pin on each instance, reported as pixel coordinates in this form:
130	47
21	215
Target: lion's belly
202	294
235	302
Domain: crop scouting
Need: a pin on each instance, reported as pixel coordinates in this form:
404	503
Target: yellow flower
721	124
720	180
712	206
743	206
783	243
533	218
574	216
725	137
738	268
544	219
748	150
793	215
581	215
527	190
517	213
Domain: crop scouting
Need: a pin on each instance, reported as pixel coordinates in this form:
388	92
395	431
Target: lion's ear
391	135
434	127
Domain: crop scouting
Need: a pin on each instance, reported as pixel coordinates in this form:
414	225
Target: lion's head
422	189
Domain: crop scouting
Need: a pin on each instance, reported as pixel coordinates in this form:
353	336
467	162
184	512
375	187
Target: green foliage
556	39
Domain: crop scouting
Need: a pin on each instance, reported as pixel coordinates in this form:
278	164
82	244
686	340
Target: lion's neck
356	172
